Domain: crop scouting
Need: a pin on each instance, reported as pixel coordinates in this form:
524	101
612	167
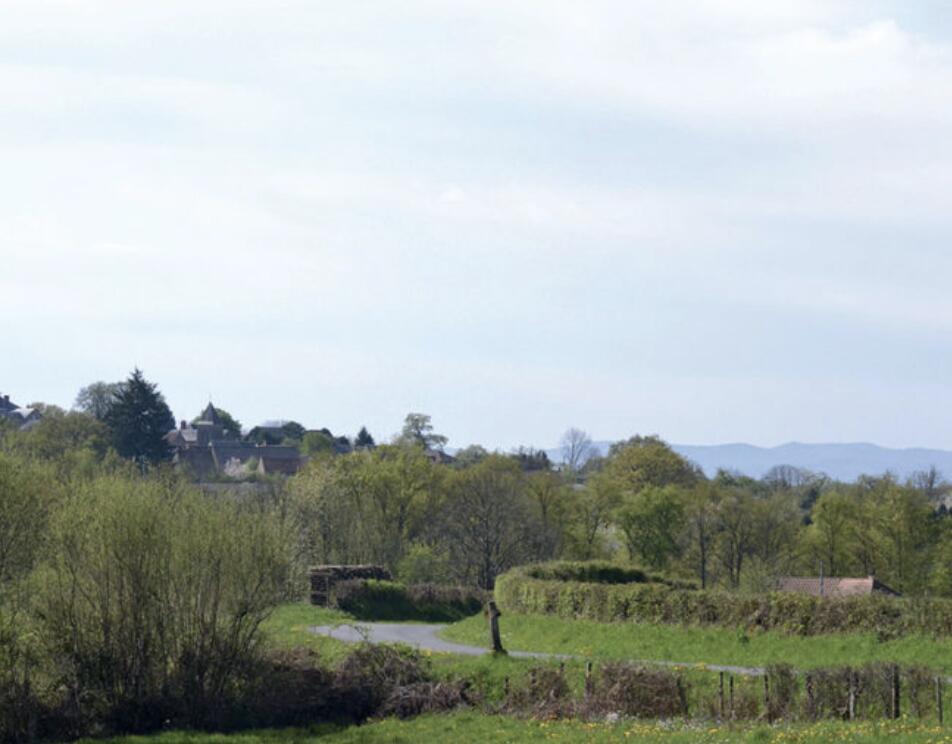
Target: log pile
324	578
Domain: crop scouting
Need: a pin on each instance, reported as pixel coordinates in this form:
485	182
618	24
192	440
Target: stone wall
323	579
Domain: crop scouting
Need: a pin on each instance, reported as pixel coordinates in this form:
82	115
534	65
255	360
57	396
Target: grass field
472	727
699	645
288	627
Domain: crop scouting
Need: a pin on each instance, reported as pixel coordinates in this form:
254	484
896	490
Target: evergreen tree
139	419
364	439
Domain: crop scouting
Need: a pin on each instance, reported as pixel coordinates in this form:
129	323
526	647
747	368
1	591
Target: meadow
471	727
700	645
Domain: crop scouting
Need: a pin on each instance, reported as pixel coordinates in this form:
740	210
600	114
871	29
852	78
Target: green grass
288	628
690	645
460	728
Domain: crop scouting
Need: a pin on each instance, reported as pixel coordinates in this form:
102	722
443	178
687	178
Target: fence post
811	701
721	696
896	702
730	681
682	696
852	697
938	698
505	687
494	614
588	679
767	712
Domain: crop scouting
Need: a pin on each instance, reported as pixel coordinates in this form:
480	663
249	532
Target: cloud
561	210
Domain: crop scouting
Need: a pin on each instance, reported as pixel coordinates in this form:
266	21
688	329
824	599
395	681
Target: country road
426	637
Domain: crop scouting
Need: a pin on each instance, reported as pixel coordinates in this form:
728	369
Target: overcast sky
716	220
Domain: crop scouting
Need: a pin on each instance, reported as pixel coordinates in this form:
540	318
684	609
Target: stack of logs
324	578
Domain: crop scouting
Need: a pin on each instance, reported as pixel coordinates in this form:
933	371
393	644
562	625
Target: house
834	587
277	459
21	416
206	448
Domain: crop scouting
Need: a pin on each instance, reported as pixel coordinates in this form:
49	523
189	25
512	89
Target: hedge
596	572
369	599
518	592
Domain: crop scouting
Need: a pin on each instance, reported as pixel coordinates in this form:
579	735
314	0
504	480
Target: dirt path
426	637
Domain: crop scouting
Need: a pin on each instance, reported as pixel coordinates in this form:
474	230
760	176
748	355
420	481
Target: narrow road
426	637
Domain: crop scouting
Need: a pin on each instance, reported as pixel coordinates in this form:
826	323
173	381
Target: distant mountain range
843	462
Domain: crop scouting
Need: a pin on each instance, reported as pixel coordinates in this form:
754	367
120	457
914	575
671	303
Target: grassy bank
594	640
472	727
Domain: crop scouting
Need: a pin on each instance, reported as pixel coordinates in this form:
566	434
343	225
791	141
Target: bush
368	599
520	591
367	678
637	691
152	599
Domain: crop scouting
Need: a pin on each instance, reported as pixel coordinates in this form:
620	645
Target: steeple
210	415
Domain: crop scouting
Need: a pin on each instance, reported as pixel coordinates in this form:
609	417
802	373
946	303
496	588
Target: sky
715	220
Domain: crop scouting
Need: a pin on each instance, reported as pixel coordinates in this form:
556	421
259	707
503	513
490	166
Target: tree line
470	520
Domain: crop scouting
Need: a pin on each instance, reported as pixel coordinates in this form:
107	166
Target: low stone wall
324	578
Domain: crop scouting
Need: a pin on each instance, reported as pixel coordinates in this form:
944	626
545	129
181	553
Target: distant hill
843	462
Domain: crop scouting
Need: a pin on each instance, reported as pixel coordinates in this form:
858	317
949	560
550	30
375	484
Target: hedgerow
519	591
388	600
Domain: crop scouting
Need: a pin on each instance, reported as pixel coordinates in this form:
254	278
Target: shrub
152	598
546	694
428	697
289	688
637	691
367	678
368	599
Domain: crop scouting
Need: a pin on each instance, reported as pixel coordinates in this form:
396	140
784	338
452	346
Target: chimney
184	424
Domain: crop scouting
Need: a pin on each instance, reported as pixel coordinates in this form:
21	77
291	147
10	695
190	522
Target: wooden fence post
494	614
682	696
811	700
852	697
730	685
767	712
896	702
938	698
588	679
721	696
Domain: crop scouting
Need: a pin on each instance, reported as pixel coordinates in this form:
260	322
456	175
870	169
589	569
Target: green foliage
591	572
367	507
139	419
152	596
652	520
388	600
418	431
472	726
797	614
487	520
317	443
642	462
97	398
364	439
28	494
425	564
